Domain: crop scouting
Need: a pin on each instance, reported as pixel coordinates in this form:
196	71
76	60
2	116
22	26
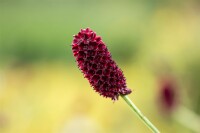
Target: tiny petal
95	62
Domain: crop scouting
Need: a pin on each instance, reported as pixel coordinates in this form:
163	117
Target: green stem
187	118
140	115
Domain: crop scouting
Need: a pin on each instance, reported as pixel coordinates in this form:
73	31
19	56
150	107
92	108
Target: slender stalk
140	115
187	118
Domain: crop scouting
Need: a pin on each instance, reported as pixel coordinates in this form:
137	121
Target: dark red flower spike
168	96
95	62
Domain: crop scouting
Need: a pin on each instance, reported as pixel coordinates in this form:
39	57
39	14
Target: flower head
95	62
168	95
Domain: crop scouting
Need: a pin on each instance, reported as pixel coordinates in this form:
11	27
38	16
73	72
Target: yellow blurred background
42	90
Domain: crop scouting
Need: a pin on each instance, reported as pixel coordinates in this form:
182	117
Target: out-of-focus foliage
42	90
192	82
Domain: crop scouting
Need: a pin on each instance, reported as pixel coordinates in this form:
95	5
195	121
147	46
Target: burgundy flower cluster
168	96
94	60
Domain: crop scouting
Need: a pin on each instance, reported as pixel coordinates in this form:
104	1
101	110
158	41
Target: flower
96	64
168	95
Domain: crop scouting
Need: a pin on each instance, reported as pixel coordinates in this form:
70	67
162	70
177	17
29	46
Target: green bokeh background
42	90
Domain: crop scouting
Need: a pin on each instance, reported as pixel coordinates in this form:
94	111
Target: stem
187	118
140	115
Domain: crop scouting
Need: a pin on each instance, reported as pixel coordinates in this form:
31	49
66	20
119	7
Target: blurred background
155	43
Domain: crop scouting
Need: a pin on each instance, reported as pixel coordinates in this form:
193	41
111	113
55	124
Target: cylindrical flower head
95	62
168	97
